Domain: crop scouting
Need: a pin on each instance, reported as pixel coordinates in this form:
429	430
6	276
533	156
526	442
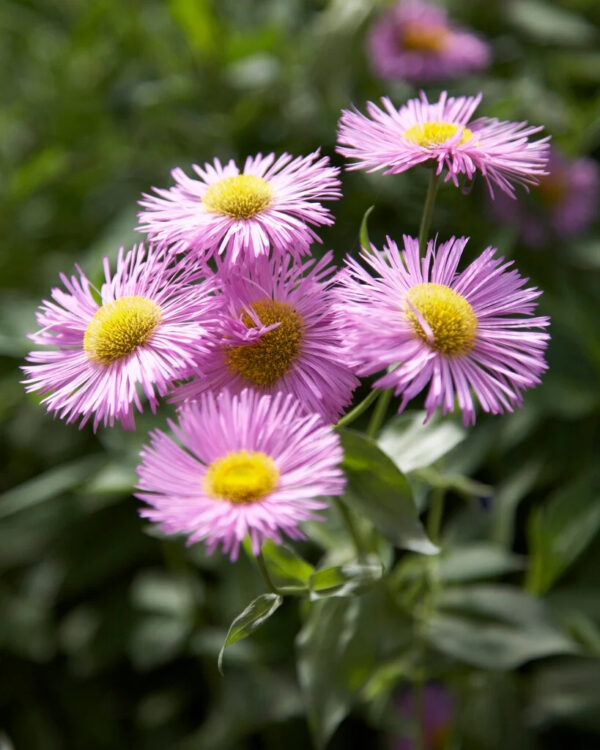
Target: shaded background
109	634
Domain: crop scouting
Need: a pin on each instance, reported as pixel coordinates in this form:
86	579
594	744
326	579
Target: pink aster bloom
414	41
563	204
145	328
270	203
246	464
444	134
462	334
280	332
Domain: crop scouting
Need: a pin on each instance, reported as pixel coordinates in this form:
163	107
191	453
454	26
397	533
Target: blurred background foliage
109	634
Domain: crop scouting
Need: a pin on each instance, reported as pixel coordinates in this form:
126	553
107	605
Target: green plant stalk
379	413
428	211
435	514
359	408
265	574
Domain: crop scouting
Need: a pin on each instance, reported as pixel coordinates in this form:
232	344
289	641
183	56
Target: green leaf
256	613
335	658
470	562
365	242
378	490
547	23
285	565
344	580
414	445
560	531
495	627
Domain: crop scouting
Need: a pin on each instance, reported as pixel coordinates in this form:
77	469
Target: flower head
563	204
280	332
437	713
270	203
443	134
414	41
145	328
246	464
462	333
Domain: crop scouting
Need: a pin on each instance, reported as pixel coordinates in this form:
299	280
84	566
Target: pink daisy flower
460	333
444	134
415	41
247	464
280	332
148	329
563	205
270	203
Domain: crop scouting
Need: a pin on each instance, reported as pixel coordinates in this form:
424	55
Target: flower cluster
262	347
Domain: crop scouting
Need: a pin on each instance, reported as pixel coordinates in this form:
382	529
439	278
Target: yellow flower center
448	314
119	328
241	477
421	38
265	362
432	134
240	197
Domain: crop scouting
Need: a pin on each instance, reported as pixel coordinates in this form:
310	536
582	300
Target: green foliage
378	490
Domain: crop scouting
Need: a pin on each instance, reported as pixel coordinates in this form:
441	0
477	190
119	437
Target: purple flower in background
145	328
280	332
414	41
244	464
443	133
461	334
271	203
563	204
438	710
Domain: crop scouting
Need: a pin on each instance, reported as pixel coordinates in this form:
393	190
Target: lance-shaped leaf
344	580
256	613
378	490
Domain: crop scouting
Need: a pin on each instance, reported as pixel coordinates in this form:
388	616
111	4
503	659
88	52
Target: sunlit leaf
256	613
285	565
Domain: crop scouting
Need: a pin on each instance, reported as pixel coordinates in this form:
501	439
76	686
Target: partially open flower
280	332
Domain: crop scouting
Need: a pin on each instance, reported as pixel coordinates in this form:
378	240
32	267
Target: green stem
436	512
379	413
359	409
265	574
350	524
428	211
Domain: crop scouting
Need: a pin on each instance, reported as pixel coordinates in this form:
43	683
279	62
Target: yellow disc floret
241	477
421	38
119	328
240	197
432	134
448	314
265	362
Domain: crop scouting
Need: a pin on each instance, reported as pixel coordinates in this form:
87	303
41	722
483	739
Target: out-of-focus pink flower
563	204
414	41
438	710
